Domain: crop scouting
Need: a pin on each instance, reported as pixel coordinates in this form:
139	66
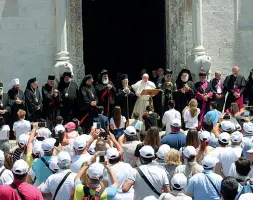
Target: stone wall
226	45
27	40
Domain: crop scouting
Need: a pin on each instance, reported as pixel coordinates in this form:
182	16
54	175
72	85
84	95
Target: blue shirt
103	120
200	187
174	140
213	115
42	172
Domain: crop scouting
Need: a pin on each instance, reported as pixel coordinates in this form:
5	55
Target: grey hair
65	165
218	72
5	147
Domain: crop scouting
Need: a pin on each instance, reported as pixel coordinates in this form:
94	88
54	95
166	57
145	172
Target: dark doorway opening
123	36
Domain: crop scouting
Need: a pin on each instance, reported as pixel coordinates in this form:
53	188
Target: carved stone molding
75	38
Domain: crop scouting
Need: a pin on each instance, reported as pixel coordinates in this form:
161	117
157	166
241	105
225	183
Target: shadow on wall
243	45
10	8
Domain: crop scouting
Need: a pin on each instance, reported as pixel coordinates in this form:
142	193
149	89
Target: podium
151	92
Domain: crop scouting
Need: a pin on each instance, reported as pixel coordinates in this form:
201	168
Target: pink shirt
30	192
72	135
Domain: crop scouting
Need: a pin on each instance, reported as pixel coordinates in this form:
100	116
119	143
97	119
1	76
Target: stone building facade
36	35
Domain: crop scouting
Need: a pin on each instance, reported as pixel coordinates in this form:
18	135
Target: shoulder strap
147	181
2	172
60	184
212	185
46	163
19	193
98	194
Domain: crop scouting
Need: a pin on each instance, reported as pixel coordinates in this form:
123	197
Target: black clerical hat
203	73
123	76
168	71
32	80
87	77
103	72
1	84
51	77
67	74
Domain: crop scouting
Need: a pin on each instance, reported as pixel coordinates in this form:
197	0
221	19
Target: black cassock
182	99
69	100
232	84
51	104
33	100
220	102
106	97
16	94
249	90
87	113
4	105
126	102
158	99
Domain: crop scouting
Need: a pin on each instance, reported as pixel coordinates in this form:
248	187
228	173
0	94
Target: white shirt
4	132
191	121
21	127
122	171
238	150
129	149
54	180
7	176
155	174
122	122
168	117
176	196
78	160
58	127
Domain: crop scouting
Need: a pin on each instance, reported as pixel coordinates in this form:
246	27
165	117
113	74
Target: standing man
106	92
218	90
185	88
51	101
69	97
125	97
203	91
4	104
235	85
142	101
168	89
33	100
16	100
88	102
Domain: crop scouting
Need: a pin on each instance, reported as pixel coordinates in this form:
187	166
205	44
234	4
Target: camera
96	125
101	156
104	135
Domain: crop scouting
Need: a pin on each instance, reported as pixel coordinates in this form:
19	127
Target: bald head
235	70
217	75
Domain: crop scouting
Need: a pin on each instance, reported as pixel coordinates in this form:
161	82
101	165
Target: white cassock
143	101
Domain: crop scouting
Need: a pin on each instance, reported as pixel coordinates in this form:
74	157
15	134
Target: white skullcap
145	75
13	82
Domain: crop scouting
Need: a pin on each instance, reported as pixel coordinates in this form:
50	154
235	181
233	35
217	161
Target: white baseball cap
189	151
48	144
37	147
209	161
176	123
2	157
53	164
130	130
179	181
248	127
95	171
63	157
224	138
205	135
20	167
92	149
162	151
236	136
23	140
79	143
227	126
147	152
246	196
44	132
112	153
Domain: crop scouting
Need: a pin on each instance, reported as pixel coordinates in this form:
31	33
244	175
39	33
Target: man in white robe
143	100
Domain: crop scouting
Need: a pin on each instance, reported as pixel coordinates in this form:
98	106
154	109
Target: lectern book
151	92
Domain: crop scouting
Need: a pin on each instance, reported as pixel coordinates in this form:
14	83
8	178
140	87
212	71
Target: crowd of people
190	141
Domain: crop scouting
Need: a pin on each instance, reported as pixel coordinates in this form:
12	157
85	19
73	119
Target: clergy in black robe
249	88
168	89
235	86
204	94
16	100
218	91
87	103
69	97
4	105
125	97
106	92
51	102
33	101
184	89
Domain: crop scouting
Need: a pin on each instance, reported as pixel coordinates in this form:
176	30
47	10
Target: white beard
67	81
105	81
184	79
1	91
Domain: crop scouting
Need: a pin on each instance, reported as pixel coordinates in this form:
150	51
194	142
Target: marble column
62	55
197	28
